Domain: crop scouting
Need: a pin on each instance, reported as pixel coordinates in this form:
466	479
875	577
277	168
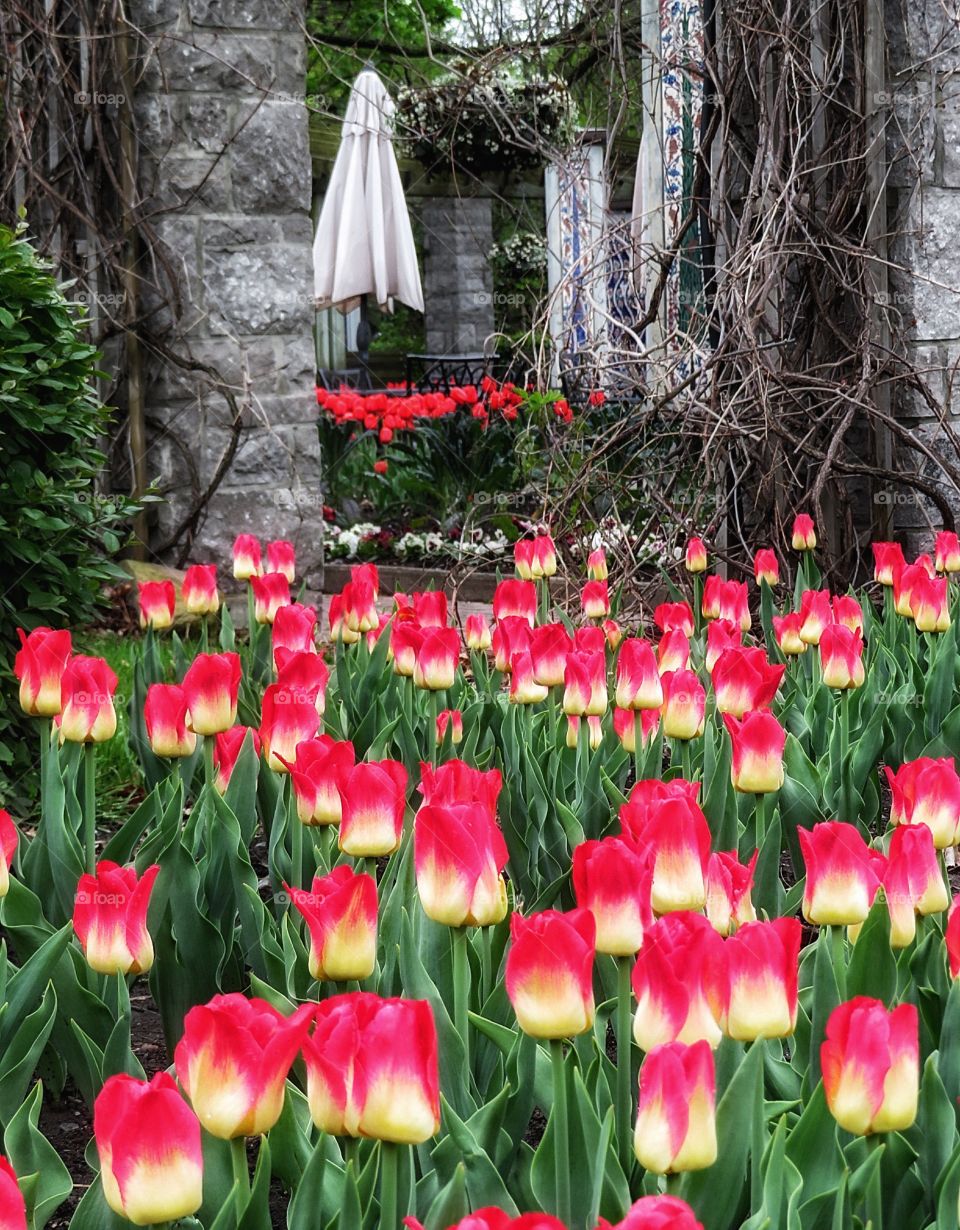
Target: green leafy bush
55	533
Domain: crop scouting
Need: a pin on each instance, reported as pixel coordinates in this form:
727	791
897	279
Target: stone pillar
226	175
457	278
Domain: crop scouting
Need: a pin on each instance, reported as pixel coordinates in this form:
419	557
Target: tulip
722	634
594	732
515	600
613	632
927	791
758	740
303	671
549	972
905	580
165	717
674	833
743	679
452	720
656	1213
871	1066
597	565
39	665
318	773
673	652
13	1208
887	561
684	705
148	1142
359	600
8	848
585	684
226	751
372	1068
435	661
338	629
157	602
591	639
695	556
848	611
841	657
340	911
804	536
246	557
270	593
912	882
733	603
613	882
676	980
843	874
430	608
671	616
459	855
549	646
199	589
457	782
930	601
952	937
595	600
625	727
87	714
212	684
373	796
524	689
759	997
477	633
729	883
544	559
816	612
947	552
676	1114
786	629
233	1059
766	567
510	636
367	574
110	918
710	604
406	637
638	684
288	718
281	557
523	558
926	563
293	629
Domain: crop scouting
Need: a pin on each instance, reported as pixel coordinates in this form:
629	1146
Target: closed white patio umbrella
364	242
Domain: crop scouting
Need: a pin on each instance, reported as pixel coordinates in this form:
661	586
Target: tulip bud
318	774
270	593
148	1142
887	561
110	919
288	718
733	603
341	915
158	600
930	601
293	629
9	838
947	553
524	689
673	652
165	718
372	1068
373	796
664	820
457	782
625	727
590	639
695	556
848	611
816	613
597	565
674	616
246	557
766	567
39	665
212	684
585	684
523	558
550	645
459	854
684	705
655	1213
804	534
226	751
199	589
638	683
13	1208
912	883
758	740
871	1066
905	581
760	993
722	634
613	882
367	574
786	628
677	980
281	557
510	636
87	714
743	679
477	633
613	632
710	606
676	1114
729	883
233	1059
841	657
451	719
595	600
594	732
430	608
515	600
435	661
842	874
359	603
303	671
544	561
549	972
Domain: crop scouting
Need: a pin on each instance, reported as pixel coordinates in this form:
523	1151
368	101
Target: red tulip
733	603
722	634
695	556
406	637
549	972
952	937
816	613
457	782
887	561
848	611
9	838
39	666
613	882
672	616
367	574
451	719
677	981
684	705
804	536
871	1066
110	918
148	1142
524	689
341	915
430	608
515	599
673	652
496	1219
841	657
435	662
595	600
758	740
656	1213
359	601
638	683
87	714
246	557
288	718
373	796
165	717
625	727
590	639
212	684
549	646
947	554
912	882
676	1114
905	581
304	671
270	593
157	602
930	601
523	558
318	772
613	632
597	565
786	629
585	684
729	883
843	874
743	679
667	823
477	633
759	997
338	629
927	791
459	854
710	606
232	1062
293	629
535	557
13	1208
766	567
510	637
226	751
199	589
281	557
372	1068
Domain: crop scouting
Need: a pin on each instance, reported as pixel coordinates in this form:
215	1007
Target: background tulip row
548	918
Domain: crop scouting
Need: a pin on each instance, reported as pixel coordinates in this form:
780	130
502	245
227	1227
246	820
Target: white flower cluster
611	533
344	543
429	544
524	252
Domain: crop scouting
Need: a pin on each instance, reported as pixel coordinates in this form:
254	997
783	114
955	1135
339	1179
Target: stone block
244	14
927	249
924	32
155	14
911	131
948	133
203	121
270	160
259	290
232	63
196	184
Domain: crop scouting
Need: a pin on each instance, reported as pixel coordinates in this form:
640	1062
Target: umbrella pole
364	337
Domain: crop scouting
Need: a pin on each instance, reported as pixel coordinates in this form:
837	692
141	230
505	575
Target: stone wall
226	175
457	278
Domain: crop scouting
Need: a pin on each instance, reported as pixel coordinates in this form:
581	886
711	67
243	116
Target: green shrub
55	533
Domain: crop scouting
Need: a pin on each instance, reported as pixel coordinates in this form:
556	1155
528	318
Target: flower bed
543	917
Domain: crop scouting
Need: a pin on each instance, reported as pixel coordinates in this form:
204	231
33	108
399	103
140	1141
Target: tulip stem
389	1219
637	745
241	1172
843	808
90	807
624	1111
839	959
461	992
758	1126
296	836
561	1139
874	1193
